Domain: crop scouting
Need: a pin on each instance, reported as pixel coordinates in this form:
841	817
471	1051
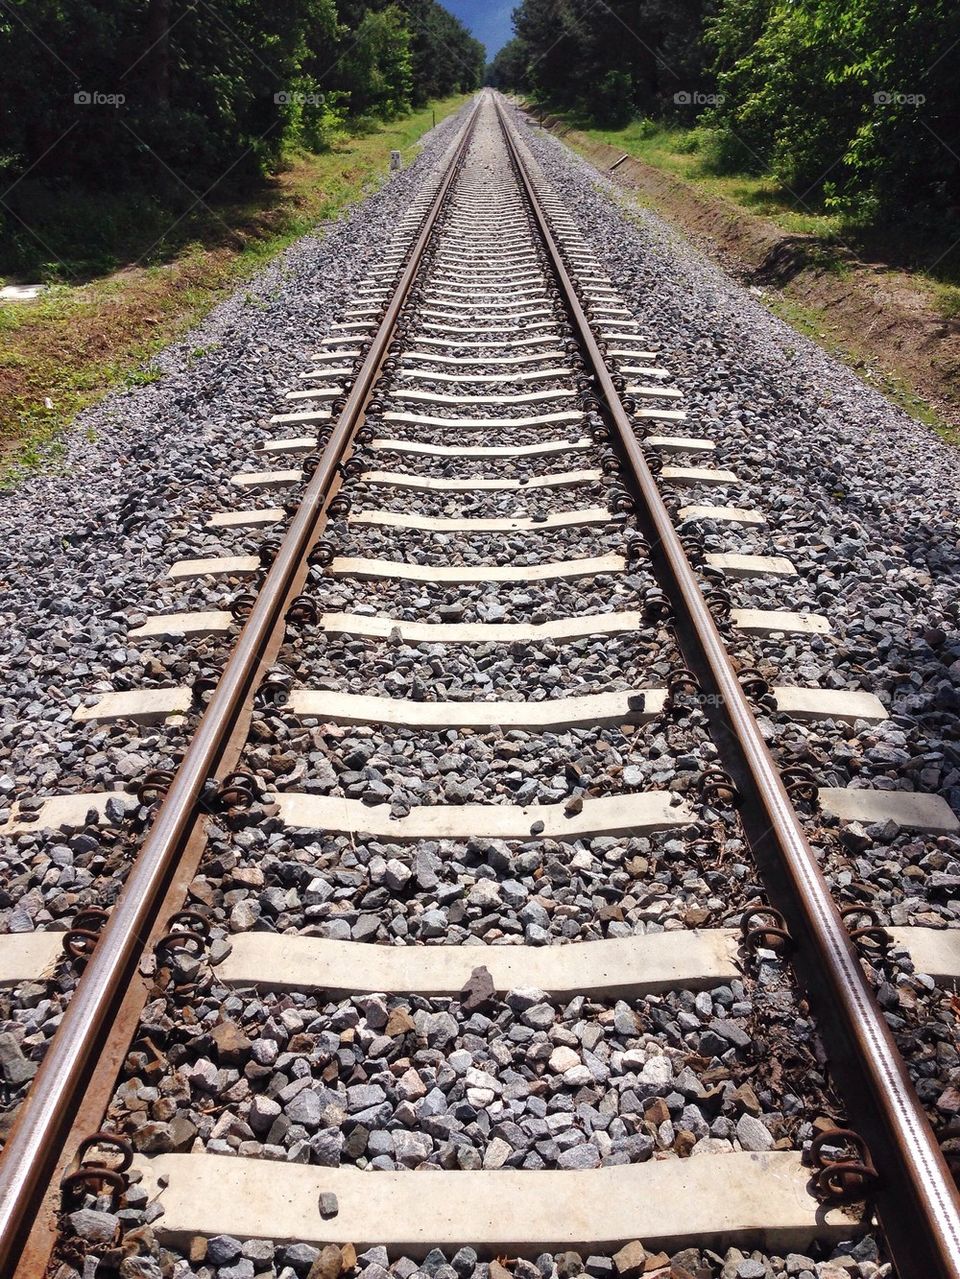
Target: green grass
80	340
930	251
948	302
686	153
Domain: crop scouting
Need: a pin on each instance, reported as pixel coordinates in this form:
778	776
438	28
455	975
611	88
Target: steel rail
916	1198
35	1145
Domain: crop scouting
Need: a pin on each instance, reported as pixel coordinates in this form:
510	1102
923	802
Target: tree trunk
157	59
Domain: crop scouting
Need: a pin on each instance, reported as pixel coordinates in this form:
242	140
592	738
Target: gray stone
599	1266
497	1153
15	1068
396	875
753	1134
259	1251
94	1226
306	1109
411	1148
538	1017
751	1269
327	1147
380	1142
730	1031
585	1155
433	1261
363	1096
262	1113
222	1249
797	1262
140	1268
301	1256
241	1269
658	1070
463	1262
328	1204
374	1270
441	1029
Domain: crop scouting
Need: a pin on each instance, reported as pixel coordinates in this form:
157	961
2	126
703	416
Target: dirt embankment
882	320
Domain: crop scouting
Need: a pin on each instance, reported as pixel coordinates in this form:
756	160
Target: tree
845	101
169	103
446	58
377	67
851	104
611	62
508	69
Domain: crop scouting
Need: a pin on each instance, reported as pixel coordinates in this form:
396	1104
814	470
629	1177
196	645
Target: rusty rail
916	1197
35	1147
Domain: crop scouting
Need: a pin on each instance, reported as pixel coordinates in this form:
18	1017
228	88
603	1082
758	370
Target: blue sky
489	20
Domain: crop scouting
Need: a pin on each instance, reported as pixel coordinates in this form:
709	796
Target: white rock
563	1059
480	1079
658	1070
485	894
497	1153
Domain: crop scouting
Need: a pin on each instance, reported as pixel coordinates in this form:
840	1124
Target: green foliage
612	101
376	68
852	105
508	70
446	57
849	103
608	62
179	104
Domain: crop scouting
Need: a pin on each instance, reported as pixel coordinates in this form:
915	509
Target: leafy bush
849	103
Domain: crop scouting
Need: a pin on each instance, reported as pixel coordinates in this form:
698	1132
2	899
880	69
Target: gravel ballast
852	492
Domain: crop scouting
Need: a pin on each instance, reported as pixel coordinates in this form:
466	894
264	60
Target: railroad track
476	657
